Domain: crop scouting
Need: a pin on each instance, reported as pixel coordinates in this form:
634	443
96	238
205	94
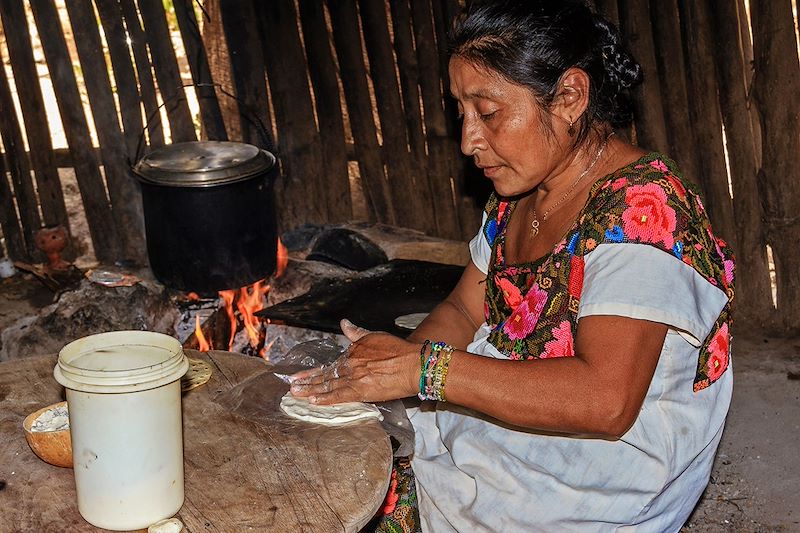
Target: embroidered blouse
532	308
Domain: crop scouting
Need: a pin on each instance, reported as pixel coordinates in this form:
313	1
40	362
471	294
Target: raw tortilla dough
410	321
328	415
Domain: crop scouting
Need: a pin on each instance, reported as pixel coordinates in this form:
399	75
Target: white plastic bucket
124	397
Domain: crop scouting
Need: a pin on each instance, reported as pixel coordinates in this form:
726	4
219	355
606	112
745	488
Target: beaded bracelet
434	362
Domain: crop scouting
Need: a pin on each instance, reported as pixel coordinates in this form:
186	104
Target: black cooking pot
209	214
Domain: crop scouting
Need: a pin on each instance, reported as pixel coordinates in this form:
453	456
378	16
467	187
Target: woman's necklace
535	222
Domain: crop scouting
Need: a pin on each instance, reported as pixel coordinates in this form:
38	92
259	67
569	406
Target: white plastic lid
120	361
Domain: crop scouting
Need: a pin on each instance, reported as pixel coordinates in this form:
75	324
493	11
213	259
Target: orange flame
203	344
282	259
227	297
251	299
247	301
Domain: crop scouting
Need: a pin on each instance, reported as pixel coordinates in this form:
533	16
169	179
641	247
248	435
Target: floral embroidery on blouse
532	308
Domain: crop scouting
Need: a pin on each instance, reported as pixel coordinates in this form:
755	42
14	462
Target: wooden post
213	125
20	48
651	129
705	113
90	182
669	41
123	190
470	188
441	170
170	84
9	223
251	100
219	63
347	40
775	89
403	185
753	304
409	80
147	88
130	107
322	70
303	184
19	168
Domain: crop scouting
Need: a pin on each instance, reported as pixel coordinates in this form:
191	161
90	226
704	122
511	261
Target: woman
580	361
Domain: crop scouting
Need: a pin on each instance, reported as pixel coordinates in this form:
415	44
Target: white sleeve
479	248
640	281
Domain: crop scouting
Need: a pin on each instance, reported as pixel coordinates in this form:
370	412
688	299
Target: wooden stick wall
351	95
704	78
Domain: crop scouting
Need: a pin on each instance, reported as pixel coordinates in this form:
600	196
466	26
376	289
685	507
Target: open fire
240	307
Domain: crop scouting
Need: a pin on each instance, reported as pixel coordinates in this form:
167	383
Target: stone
89	309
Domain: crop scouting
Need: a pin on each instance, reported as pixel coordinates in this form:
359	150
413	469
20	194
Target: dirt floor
754	484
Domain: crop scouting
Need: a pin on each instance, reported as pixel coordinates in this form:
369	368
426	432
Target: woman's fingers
305	377
351	331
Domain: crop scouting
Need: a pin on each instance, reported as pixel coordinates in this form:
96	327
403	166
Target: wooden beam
651	129
144	75
441	168
322	71
240	25
775	88
125	83
404	185
170	83
9	221
669	40
90	182
754	293
704	110
123	190
18	165
347	40
210	113
303	186
29	93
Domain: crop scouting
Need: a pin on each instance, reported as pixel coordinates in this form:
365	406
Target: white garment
476	474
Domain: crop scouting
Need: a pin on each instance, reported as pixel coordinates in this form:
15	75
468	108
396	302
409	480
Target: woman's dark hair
533	42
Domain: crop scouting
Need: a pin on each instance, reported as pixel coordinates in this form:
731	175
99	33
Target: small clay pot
52	240
54	447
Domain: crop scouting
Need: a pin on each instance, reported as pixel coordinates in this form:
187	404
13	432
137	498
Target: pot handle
244	111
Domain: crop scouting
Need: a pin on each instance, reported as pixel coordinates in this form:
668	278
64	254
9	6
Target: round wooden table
248	467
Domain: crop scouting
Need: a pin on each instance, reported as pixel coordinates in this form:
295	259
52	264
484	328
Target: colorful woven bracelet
434	362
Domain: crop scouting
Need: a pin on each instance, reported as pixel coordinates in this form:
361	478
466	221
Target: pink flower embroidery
561	345
648	217
511	293
700	204
729	267
618	184
659	165
680	190
718	350
524	318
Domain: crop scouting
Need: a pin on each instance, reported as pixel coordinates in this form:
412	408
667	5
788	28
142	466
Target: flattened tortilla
328	415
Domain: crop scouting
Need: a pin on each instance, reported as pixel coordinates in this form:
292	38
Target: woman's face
503	129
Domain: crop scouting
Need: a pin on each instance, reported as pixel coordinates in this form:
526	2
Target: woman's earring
571	129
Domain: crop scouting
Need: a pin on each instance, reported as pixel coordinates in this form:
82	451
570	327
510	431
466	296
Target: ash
190	311
55	419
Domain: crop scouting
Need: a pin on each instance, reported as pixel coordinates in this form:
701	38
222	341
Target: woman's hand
376	367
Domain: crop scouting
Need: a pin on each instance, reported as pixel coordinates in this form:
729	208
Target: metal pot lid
203	164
